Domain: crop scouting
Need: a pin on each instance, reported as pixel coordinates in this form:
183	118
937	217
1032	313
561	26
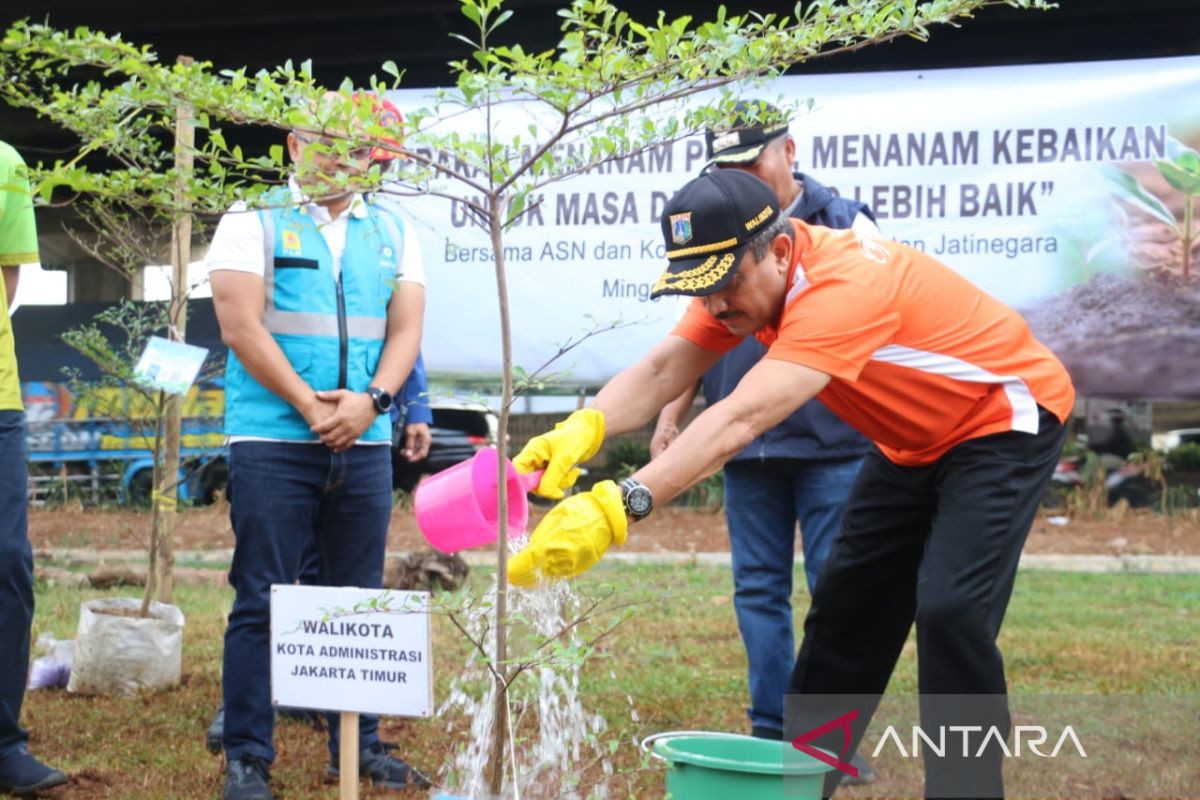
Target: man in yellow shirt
20	773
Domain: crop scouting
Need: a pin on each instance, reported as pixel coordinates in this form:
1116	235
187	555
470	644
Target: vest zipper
343	338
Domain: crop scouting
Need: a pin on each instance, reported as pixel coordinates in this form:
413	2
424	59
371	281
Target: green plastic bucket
715	766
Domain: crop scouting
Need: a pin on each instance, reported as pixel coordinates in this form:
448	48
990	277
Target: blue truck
98	449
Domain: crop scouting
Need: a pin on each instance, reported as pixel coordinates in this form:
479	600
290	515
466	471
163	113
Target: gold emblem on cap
726	140
704	275
681	227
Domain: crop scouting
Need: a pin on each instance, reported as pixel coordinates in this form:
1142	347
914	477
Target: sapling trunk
156	513
496	208
167	490
1189	217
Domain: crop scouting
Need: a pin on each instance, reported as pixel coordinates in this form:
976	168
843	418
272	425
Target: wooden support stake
348	760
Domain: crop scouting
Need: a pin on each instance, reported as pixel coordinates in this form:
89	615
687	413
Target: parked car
1169	440
460	429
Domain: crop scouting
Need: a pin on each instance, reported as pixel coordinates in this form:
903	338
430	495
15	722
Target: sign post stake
348	759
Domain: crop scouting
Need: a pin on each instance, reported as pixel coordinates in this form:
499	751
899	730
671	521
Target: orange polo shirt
920	358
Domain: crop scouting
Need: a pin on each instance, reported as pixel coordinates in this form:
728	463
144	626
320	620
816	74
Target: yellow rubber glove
573	441
572	536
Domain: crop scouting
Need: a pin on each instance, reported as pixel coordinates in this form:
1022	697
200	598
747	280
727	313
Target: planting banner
1060	189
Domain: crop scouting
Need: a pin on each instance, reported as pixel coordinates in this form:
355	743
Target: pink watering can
456	508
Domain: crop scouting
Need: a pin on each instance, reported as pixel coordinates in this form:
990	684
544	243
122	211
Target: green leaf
1179	177
1132	192
471	11
391	69
1189	160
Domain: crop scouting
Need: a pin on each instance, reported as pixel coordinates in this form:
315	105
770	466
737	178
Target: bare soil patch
671	530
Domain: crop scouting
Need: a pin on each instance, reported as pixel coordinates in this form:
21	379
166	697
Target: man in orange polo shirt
966	409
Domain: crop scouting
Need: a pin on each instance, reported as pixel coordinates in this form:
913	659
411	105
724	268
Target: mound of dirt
1126	337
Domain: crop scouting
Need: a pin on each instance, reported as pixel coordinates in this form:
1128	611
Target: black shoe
23	775
247	779
385	770
865	773
215	734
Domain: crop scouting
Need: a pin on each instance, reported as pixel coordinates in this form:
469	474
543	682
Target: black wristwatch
639	502
381	399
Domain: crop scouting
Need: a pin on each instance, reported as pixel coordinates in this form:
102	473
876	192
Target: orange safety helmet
389	117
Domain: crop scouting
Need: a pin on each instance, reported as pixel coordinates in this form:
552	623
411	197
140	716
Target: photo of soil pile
1136	336
1126	337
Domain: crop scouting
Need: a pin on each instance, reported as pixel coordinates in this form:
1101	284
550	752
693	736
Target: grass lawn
676	663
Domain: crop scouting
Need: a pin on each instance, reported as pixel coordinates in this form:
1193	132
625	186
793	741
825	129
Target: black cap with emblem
707	226
743	142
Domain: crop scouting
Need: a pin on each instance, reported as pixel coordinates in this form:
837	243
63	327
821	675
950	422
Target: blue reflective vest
812	431
332	331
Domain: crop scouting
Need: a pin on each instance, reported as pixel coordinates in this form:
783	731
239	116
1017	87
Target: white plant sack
126	655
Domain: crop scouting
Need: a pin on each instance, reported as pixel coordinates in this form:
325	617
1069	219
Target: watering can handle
530	480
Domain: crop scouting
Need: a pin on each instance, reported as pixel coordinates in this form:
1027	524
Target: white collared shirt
237	243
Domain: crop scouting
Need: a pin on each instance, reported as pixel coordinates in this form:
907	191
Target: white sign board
340	649
170	366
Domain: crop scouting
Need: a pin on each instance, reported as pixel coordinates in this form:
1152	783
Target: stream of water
560	751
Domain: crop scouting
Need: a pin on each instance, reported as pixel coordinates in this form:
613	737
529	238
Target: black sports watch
639	501
381	399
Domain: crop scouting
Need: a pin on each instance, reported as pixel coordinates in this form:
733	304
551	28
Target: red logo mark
801	743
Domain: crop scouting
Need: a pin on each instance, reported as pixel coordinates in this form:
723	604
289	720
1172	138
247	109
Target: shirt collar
358	205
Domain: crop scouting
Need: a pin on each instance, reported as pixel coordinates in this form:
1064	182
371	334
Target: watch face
383	400
639	501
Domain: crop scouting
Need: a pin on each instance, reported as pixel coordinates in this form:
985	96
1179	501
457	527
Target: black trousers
937	545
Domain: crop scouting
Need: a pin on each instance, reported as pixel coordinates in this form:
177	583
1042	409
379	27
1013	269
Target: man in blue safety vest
320	298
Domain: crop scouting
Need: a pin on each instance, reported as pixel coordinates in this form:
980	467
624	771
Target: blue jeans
284	497
16	579
764	498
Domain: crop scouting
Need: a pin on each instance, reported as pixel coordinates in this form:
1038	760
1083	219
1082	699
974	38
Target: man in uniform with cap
800	471
966	409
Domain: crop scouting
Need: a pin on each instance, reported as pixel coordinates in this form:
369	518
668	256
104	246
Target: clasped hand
340	417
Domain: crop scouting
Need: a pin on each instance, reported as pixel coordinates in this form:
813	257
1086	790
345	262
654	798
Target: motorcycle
1122	480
